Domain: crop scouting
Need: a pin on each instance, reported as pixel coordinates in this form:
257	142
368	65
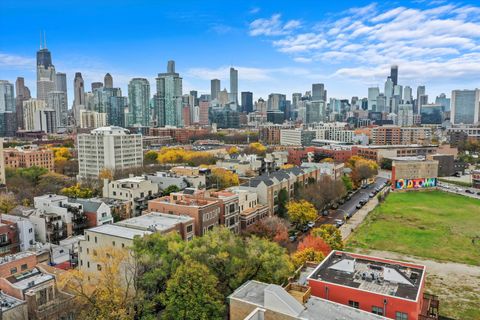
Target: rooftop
30	279
396	146
52	197
119	231
15	256
386	277
8	302
154	221
276	298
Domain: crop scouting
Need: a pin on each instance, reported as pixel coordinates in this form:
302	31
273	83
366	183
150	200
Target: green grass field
435	225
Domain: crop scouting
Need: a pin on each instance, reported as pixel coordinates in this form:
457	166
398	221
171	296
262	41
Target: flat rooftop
119	231
29	279
381	276
257	293
396	146
8	302
154	221
15	256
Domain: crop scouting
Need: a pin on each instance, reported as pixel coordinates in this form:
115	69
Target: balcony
429	307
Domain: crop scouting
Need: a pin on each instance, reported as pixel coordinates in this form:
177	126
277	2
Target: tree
308	254
347	182
192	294
233	150
256	148
301	212
52	183
361	169
150	157
105	174
223	178
386	164
77	191
7	202
287	166
327	160
282	202
272	228
330	234
171	188
108	292
316	243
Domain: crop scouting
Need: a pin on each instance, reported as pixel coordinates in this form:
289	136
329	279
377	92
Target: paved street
452	188
349	206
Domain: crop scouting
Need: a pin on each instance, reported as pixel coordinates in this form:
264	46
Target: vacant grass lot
433	224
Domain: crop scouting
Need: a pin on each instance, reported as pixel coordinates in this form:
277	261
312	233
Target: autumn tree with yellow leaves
222	178
361	169
300	212
108	292
256	148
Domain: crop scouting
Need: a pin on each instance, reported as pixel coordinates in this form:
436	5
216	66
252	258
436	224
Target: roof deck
385	277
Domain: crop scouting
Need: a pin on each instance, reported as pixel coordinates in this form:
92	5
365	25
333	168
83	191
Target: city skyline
275	50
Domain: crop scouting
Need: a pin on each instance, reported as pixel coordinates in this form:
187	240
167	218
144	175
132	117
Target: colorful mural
415	183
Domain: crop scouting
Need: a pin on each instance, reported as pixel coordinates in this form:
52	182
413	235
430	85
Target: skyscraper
79	96
139	102
96	85
57	101
8	117
465	107
234	85
318	92
422	99
23	93
45	73
108	81
296	97
394	74
407	95
168	100
247	102
388	93
61	82
443	101
214	88
373	93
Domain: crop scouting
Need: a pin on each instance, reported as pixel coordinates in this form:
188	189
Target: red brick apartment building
26	157
384	287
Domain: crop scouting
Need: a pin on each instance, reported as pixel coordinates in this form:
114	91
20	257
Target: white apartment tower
112	148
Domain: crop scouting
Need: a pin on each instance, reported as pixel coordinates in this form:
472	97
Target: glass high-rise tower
139	102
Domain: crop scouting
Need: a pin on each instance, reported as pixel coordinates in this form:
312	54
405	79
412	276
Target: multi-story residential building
37	116
166	179
50	210
419	135
256	300
205	211
96	210
167	105
9	237
57	101
296	137
120	235
36	284
29	156
139	190
230	211
389	288
251	211
25	231
465	107
386	135
448	165
139	102
111	148
461	133
92	119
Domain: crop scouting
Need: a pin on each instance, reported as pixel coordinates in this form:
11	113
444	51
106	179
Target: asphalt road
448	187
349	206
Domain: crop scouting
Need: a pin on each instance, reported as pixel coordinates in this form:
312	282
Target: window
354	304
377	310
99	267
88	264
94	252
88	238
23	267
232	207
123	245
401	316
95	239
30	230
13	270
113	243
190	228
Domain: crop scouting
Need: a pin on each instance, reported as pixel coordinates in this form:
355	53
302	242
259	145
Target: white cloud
439	41
254	10
272	26
15	61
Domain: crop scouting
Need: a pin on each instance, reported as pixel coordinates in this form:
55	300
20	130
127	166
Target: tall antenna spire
44	39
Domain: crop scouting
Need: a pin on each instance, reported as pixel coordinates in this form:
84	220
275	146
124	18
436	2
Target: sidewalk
357	218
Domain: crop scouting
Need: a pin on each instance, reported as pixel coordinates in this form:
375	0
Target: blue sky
278	46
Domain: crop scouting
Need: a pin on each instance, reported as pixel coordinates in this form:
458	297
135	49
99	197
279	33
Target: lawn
432	224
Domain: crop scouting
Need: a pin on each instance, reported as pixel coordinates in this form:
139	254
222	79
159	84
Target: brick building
384	287
29	156
9	237
413	173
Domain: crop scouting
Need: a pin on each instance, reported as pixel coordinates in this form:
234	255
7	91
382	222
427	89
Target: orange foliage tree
316	243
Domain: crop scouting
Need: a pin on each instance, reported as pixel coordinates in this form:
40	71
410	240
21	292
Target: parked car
358	206
363	201
292	238
478	193
341	201
349	197
311	224
365	186
325	213
469	191
339	223
305	228
335	206
371	195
